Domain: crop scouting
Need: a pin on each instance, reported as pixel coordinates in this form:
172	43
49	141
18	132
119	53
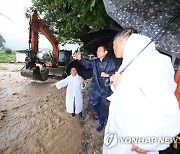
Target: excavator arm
36	26
31	70
44	30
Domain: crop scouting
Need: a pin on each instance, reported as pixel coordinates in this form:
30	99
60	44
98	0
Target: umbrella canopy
93	40
102	37
149	17
81	70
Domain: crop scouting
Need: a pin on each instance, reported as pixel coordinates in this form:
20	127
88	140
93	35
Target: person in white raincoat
74	98
143	113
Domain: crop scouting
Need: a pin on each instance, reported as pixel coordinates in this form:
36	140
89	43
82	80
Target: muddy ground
33	118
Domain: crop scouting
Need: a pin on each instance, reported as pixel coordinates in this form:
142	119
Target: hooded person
74	97
143	114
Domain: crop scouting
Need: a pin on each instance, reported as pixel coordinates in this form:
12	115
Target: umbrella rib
175	29
169	10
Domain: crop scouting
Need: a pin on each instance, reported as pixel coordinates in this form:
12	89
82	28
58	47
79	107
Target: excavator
35	68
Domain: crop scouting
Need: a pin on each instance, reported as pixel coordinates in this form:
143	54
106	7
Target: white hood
135	44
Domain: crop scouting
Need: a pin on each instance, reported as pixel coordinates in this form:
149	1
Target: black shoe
96	117
100	126
73	114
80	115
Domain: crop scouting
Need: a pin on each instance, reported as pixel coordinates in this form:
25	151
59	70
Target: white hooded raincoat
143	104
73	93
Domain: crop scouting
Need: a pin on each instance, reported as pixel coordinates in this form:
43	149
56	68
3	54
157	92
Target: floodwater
33	118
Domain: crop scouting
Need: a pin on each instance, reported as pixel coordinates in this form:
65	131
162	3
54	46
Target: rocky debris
2	113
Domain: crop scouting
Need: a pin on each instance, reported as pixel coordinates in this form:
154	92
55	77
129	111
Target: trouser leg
103	112
73	114
104	107
80	115
96	117
101	123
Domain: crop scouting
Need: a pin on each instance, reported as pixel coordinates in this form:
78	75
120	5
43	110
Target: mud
33	118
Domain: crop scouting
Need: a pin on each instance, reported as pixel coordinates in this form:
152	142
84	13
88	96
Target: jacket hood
134	45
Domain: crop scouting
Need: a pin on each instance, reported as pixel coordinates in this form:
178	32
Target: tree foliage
8	51
46	56
2	41
69	19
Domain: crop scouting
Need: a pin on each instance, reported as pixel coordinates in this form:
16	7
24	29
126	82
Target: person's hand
115	79
52	85
77	56
105	75
82	81
137	149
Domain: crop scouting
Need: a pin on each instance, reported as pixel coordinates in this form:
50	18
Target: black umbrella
94	44
102	37
149	17
101	33
81	70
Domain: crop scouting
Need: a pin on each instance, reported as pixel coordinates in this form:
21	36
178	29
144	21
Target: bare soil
33	118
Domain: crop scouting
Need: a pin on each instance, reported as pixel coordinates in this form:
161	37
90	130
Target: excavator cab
64	57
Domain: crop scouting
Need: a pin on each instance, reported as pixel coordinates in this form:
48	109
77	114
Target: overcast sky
14	26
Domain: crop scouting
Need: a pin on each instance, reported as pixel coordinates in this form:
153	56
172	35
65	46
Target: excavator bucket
35	73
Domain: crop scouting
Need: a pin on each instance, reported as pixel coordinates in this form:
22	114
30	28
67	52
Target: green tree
8	51
2	41
69	19
46	56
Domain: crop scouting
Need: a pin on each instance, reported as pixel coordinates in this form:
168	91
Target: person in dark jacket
102	67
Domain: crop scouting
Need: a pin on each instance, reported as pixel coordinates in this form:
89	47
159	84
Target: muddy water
33	118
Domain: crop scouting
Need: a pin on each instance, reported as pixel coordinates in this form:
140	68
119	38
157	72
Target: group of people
140	101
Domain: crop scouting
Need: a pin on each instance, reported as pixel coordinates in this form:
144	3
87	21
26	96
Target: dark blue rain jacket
98	90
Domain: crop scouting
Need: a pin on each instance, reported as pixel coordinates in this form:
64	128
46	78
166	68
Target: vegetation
2	42
6	58
46	56
6	55
84	52
70	19
8	51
